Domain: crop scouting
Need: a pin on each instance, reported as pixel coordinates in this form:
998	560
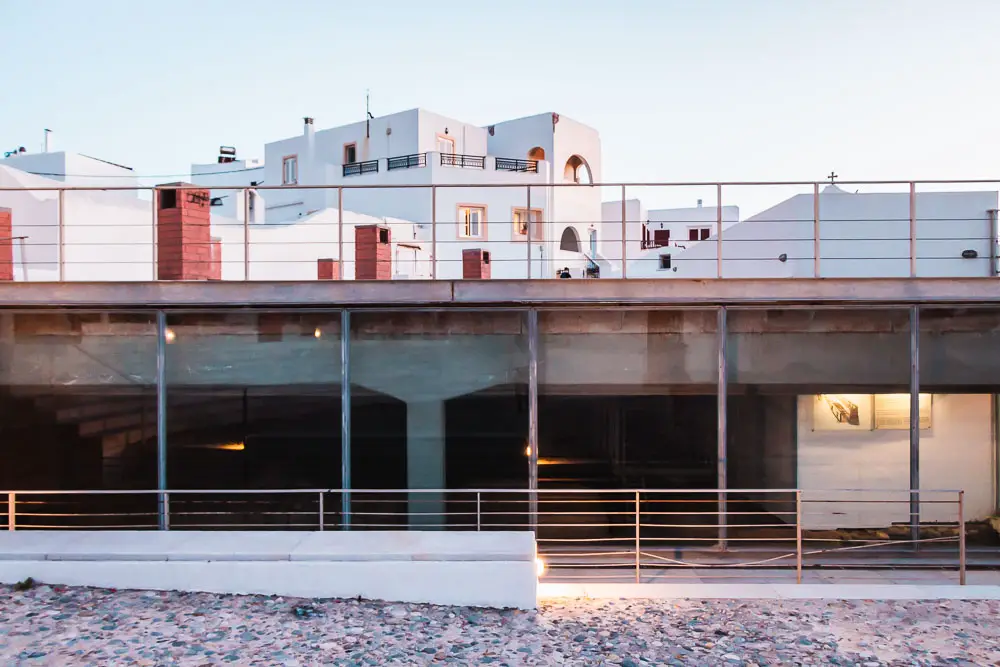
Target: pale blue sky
698	90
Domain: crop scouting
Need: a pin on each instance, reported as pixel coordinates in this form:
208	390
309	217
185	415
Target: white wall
241	173
73	169
955	453
862	236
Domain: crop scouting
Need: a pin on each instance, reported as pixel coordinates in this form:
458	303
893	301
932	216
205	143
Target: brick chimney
183	235
327	269
372	253
475	264
6	245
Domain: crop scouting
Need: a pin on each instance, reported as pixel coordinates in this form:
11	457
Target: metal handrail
355	169
464	161
516	164
406	161
429	508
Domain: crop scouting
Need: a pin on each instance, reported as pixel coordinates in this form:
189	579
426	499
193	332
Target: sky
698	90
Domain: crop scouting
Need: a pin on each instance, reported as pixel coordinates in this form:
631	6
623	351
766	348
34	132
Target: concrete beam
417	293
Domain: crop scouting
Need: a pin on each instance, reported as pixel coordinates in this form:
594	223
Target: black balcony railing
464	161
358	168
407	161
513	164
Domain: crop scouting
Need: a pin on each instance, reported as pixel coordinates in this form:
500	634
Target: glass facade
684	400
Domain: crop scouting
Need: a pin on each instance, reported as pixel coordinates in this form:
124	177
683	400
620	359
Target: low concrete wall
486	569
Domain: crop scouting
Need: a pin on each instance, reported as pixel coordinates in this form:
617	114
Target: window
350	153
290	170
445	144
520	217
664	262
699	233
471	221
661	237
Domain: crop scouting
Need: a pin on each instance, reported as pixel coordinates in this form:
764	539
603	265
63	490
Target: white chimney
699	203
47	142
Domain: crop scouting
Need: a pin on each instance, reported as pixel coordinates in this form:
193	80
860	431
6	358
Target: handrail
356	168
464	161
406	161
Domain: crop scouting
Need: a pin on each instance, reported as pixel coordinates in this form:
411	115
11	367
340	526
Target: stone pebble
53	625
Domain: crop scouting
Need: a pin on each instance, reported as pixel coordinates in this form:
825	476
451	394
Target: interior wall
955	453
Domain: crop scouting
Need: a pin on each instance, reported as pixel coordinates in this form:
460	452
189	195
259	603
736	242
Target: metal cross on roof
832	177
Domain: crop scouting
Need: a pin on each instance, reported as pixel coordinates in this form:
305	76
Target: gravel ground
79	626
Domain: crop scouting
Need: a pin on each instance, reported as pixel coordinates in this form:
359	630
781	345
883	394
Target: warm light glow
170	335
527	451
540	567
318	333
232	447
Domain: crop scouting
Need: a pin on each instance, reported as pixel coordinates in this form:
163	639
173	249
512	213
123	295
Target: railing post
913	229
624	237
340	232
165	516
718	230
345	418
154	195
434	229
161	415
722	446
638	567
322	512
527	235
246	234
961	538
816	235
479	521
915	426
62	235
798	536
11	513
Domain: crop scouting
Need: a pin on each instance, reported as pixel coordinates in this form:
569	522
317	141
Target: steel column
533	414
798	536
914	423
638	547
722	445
718	230
11	513
816	236
161	418
345	417
322	512
913	230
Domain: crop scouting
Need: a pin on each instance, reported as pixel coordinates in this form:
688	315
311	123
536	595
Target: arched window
536	153
570	240
577	170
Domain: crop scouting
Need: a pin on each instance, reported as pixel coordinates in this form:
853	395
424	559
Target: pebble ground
51	625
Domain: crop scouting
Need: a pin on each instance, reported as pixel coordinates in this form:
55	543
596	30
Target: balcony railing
514	164
358	168
463	161
407	161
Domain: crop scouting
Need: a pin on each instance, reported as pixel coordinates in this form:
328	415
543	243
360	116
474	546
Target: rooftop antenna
368	115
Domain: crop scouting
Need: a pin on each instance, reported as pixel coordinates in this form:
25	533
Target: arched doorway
577	171
570	240
536	153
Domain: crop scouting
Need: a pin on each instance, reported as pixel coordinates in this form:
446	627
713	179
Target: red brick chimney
183	235
327	269
475	264
216	270
372	253
6	245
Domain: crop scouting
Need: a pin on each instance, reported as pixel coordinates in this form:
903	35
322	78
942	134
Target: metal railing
407	161
637	534
358	168
903	241
464	161
514	164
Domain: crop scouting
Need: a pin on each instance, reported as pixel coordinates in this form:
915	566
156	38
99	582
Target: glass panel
78	411
960	372
439	401
815	399
253	402
628	399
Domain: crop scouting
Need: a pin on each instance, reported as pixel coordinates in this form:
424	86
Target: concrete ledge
488	569
417	293
769	591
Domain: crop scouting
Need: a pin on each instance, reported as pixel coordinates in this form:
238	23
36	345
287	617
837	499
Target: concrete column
425	445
